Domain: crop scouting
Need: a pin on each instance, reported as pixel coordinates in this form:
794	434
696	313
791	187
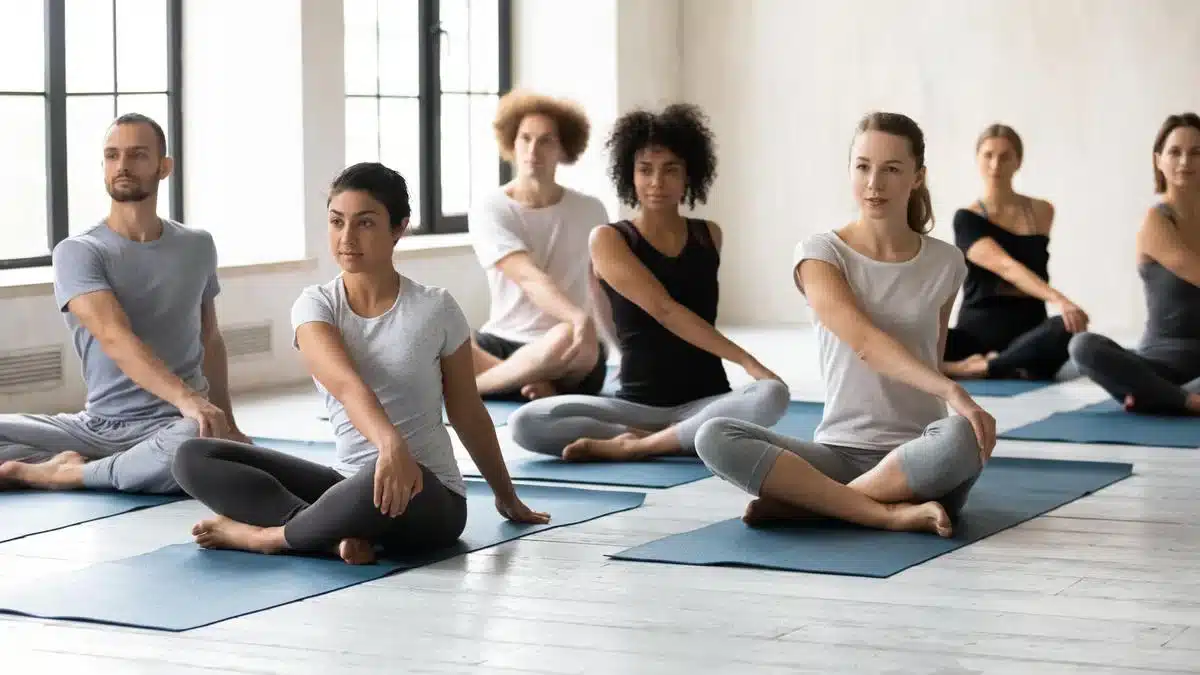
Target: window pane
23	46
141	45
400	145
360	47
485	45
455	45
88	118
153	106
23	177
89	36
362	130
456	155
485	157
399	48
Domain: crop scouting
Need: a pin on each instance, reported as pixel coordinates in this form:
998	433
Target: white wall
1085	82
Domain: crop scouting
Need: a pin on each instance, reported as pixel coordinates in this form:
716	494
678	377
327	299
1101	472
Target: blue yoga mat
320	452
1107	422
663	472
1002	388
1010	491
800	420
499	410
23	513
181	587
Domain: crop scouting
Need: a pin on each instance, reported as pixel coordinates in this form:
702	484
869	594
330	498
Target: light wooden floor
1108	584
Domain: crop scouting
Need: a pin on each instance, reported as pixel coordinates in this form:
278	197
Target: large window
70	67
422	81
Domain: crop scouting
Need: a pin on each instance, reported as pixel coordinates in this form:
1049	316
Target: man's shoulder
88	243
178	229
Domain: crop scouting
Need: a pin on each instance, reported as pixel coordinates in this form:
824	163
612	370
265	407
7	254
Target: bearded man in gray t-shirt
137	293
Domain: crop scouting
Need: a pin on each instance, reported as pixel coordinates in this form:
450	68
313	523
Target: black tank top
657	367
984	289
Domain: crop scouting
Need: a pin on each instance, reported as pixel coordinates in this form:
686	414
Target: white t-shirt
398	355
864	409
556	239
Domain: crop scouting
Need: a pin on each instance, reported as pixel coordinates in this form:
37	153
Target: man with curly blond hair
531	236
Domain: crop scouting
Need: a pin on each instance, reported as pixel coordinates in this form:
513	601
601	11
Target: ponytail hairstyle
1172	123
920	203
1007	133
384	184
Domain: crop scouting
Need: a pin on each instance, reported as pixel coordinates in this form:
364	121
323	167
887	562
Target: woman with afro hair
658	273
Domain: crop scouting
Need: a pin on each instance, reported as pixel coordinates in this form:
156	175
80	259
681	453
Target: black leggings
1030	345
316	506
1158	376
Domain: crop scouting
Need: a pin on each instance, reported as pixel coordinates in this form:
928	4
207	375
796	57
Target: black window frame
55	96
429	93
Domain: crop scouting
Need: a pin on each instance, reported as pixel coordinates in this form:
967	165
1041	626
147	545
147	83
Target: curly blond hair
568	116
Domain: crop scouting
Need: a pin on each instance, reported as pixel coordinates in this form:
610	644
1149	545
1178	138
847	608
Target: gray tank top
1172	304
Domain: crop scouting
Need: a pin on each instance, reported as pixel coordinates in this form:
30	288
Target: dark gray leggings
316	506
941	464
1158	376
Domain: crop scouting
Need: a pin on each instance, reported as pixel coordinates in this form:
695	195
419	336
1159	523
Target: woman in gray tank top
885	454
1163	375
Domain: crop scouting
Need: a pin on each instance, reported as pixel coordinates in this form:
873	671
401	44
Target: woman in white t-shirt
385	351
886	454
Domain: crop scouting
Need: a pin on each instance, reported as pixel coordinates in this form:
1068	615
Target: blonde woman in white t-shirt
885	454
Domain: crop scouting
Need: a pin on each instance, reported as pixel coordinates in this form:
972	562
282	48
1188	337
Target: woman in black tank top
1003	329
658	273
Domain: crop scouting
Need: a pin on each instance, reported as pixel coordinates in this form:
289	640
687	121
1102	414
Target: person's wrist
951	389
393	449
185	398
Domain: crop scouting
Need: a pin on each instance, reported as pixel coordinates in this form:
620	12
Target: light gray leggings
125	455
548	425
942	464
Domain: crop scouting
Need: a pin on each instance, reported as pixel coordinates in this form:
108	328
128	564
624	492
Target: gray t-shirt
864	409
161	285
398	355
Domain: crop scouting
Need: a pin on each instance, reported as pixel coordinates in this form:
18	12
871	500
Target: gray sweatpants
548	425
942	464
125	455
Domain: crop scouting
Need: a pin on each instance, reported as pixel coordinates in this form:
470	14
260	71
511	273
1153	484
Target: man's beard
132	192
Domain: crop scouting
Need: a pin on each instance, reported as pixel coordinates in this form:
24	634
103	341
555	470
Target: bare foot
972	367
621	448
765	510
927	517
356	551
1193	404
536	390
63	471
1130	405
222	532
